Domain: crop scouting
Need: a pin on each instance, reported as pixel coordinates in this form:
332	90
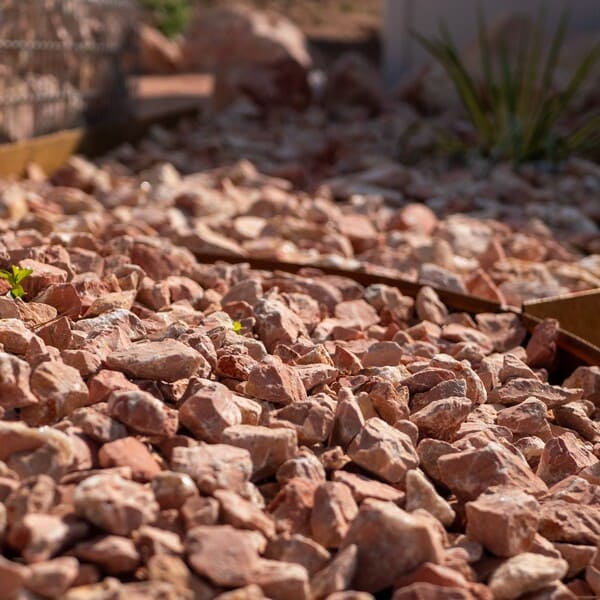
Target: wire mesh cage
63	63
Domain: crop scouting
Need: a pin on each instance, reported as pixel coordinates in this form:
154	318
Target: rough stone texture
149	392
471	472
383	450
380	526
168	360
143	413
209	411
333	511
524	573
275	382
268	448
421	494
115	504
504	522
212	551
214	467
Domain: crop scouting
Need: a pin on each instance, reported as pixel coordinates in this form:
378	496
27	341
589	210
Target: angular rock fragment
383	450
168	360
380	526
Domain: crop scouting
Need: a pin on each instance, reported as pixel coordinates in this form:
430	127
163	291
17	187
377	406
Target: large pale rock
524	573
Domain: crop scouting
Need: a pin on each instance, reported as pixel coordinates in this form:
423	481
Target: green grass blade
445	53
22	274
585	135
555	49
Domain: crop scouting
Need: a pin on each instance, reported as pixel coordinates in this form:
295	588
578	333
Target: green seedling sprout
14	277
237	326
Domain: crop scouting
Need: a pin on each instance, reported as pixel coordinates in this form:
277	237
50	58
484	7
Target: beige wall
400	16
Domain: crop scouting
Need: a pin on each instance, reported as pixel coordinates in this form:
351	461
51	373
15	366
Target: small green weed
14	277
170	16
515	107
236	326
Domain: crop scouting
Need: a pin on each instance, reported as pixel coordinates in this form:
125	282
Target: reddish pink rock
542	347
15	391
209	411
384	353
98	426
588	379
277	324
504	329
414	217
39	537
143	413
213	467
424	380
526	572
224	555
348	420
242	514
298	549
276	382
338	574
356	313
268	448
333	511
470	472
441	419
312	420
380	526
292	507
114	504
282	581
429	307
103	383
383	450
42	276
563	521
429	591
172	490
64	297
563	456
422	495
112	553
504	521
526	418
12	576
60	390
14	336
519	389
362	488
168	360
129	452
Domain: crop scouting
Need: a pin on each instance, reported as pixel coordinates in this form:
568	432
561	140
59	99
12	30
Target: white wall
401	53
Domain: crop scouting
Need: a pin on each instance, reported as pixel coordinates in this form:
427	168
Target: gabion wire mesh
63	64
